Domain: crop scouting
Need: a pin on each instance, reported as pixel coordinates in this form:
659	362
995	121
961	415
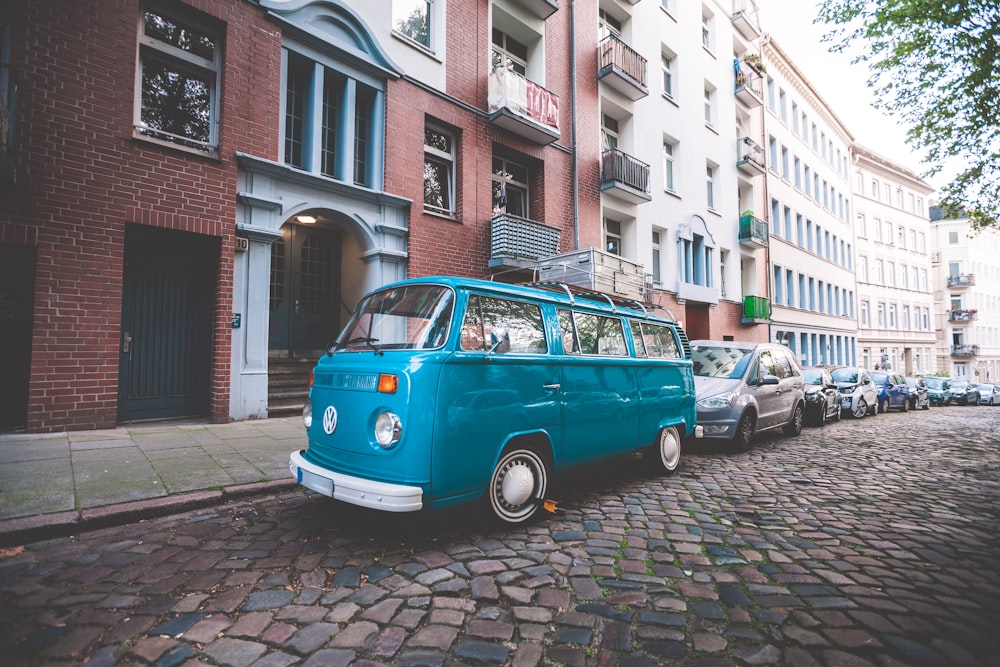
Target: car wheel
883	405
821	417
906	405
794	427
927	405
839	414
518	485
743	439
860	409
667	451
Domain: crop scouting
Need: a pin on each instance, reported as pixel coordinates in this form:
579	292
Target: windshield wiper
358	339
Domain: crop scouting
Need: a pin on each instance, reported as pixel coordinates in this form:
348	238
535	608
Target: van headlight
307	415
388	429
717	401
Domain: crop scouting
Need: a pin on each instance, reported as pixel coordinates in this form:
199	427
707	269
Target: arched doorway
304	288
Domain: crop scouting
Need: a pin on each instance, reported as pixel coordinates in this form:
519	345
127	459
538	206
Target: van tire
666	453
510	498
743	438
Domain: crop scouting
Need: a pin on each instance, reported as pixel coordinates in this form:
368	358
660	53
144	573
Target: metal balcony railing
515	240
523	107
753	231
750	156
964	280
620	167
964	350
963	315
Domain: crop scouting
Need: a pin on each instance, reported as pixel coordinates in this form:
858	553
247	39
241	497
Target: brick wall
81	176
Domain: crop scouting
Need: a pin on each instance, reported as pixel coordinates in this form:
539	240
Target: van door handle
555	386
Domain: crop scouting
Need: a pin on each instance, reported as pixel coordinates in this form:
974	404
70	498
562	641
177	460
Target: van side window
654	340
571	344
503	325
782	364
600	335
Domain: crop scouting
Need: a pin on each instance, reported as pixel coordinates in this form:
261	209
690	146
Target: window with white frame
862	268
412	19
656	248
669	151
710	170
709	105
608	25
864	314
881	315
613	236
706	31
510	187
893	322
508	53
696	260
667	69
180	65
609	132
439	170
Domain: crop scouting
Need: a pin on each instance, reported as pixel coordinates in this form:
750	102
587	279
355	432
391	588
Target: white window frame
669	161
448	159
408	6
180	60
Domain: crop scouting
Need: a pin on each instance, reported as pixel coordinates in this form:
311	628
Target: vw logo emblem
329	419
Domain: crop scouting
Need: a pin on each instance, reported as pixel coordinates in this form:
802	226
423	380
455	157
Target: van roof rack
573	291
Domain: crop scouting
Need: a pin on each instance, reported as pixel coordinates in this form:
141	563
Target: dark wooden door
17	297
165	349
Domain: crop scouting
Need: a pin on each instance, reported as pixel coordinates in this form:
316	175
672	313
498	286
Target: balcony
523	108
756	310
622	68
964	280
960	316
543	9
749	86
517	242
965	350
744	19
753	232
750	157
624	177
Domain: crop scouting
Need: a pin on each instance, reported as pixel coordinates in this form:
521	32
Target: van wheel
794	427
518	485
883	406
667	451
743	439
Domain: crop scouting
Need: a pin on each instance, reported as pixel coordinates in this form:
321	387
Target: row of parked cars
744	388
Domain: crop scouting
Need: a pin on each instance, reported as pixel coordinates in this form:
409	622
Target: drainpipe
576	168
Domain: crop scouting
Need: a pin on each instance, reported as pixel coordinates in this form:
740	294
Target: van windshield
721	361
403	318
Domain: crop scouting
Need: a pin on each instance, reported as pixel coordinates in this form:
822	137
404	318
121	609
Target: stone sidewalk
58	483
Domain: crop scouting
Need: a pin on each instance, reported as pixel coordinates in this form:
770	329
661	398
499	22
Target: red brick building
193	190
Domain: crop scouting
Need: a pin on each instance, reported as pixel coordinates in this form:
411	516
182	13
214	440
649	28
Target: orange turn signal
387	384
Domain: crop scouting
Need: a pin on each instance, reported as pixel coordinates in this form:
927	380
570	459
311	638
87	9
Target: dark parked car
822	395
920	397
893	392
964	393
938	389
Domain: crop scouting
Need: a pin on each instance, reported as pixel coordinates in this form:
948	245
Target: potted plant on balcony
754	62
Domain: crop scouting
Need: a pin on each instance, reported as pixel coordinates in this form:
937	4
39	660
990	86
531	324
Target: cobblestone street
868	542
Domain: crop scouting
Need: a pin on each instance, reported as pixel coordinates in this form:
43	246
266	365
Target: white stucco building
893	266
809	209
966	270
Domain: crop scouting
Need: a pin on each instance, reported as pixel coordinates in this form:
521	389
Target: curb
24	530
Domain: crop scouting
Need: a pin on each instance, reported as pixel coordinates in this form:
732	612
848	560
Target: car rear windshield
845	375
721	361
401	318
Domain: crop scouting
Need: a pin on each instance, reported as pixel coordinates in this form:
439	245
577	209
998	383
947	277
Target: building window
180	60
706	31
952	238
439	170
338	141
864	314
696	261
613	236
710	185
709	106
656	257
412	19
668	165
667	67
881	316
861	231
510	188
609	132
508	53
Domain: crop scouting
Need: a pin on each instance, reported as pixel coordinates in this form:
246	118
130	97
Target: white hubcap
517	485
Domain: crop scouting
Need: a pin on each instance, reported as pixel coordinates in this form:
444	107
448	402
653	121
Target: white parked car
989	394
858	391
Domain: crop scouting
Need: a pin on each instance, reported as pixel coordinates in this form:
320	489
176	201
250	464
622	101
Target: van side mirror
768	379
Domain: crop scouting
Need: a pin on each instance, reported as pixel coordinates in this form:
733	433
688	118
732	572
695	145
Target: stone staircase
287	385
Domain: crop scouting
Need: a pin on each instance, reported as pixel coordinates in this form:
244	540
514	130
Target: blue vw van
445	390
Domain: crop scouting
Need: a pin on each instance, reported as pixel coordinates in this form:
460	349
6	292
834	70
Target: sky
841	85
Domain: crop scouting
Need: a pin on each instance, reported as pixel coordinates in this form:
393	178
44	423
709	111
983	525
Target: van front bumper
355	490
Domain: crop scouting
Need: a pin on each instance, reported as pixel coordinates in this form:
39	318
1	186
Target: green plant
753	59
